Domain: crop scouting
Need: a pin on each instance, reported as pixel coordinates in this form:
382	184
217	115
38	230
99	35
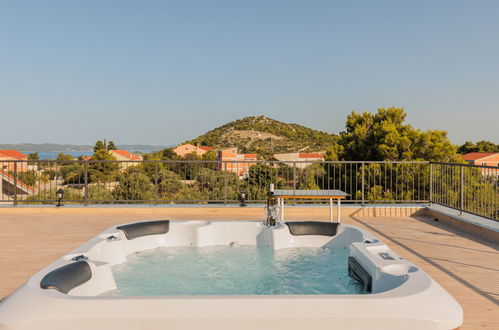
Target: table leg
331	210
339	210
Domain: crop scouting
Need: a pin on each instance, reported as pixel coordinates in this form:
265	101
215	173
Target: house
128	159
13	155
231	161
185	149
300	157
10	187
484	159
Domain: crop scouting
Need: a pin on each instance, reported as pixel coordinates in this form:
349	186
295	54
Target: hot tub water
235	270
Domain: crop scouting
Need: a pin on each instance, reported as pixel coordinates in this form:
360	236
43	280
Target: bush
99	192
134	186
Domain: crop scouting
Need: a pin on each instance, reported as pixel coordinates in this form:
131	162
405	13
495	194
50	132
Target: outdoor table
338	195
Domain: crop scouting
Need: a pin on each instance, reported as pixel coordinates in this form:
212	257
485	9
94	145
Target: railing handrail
263	161
260	161
468	187
467	165
249	161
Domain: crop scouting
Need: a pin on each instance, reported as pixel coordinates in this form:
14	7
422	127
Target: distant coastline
75	148
53	154
44	155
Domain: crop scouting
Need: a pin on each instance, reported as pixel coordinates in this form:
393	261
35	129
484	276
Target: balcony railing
469	188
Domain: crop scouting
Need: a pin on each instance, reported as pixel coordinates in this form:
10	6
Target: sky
162	72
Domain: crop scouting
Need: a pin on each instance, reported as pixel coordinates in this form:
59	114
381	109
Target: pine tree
111	146
99	145
385	136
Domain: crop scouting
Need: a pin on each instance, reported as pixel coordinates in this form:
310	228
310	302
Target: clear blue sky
160	72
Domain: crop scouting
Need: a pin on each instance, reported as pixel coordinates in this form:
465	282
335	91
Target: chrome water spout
271	208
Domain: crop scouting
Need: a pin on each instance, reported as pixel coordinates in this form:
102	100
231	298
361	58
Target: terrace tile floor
463	264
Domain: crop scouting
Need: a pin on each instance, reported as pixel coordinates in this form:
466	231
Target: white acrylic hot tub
402	295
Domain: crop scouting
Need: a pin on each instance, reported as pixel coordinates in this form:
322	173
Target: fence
466	187
470	188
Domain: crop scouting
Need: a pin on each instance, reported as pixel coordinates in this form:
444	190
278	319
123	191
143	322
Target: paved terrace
464	264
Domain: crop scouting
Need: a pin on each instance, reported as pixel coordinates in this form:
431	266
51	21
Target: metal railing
469	188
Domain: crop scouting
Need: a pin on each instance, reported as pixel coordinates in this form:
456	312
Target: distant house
128	158
10	187
484	159
231	161
13	155
185	149
300	157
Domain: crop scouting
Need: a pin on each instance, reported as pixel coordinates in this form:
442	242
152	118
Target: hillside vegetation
266	136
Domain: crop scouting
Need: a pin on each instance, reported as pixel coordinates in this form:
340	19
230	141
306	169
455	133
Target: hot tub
297	275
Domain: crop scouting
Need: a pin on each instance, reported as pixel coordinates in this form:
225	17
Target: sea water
236	270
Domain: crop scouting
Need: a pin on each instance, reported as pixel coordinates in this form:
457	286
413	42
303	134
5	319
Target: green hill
265	136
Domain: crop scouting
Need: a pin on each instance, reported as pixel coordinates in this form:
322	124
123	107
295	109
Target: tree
487	146
480	146
65	159
191	168
99	145
433	145
310	176
29	177
334	152
111	146
259	178
62	156
151	168
101	168
134	186
33	156
99	192
467	147
262	174
193	156
72	173
385	136
168	183
210	155
212	184
168	153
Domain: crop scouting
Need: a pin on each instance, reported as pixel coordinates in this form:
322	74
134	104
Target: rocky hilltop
265	136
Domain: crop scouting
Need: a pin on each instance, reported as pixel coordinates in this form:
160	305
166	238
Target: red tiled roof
126	154
310	155
249	155
12	153
205	148
477	155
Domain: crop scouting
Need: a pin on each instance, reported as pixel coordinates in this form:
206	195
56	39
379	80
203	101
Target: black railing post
156	188
15	182
294	182
225	183
294	177
431	183
362	183
85	178
461	190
